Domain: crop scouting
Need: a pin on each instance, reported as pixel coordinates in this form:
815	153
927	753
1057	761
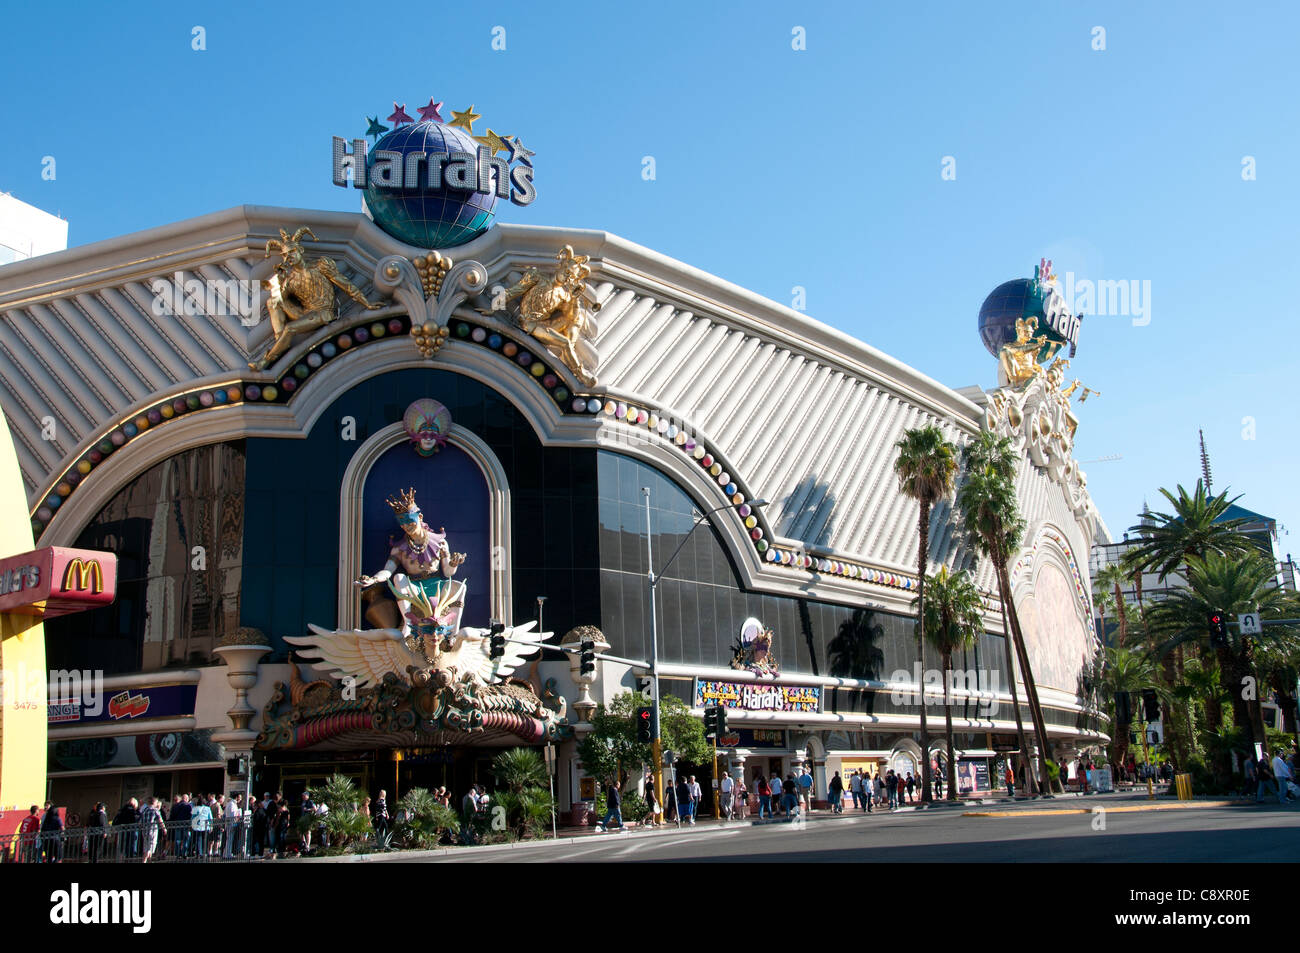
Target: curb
1124	809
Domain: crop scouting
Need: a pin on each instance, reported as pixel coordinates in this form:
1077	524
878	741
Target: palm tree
1232	586
926	467
1110	583
1195	528
953	623
991	513
519	768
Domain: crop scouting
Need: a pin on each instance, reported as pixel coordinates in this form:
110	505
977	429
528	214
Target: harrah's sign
462	171
55	581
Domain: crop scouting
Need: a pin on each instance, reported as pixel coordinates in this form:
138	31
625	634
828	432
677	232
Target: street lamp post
653	580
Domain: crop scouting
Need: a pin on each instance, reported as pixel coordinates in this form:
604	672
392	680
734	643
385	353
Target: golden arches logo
83	572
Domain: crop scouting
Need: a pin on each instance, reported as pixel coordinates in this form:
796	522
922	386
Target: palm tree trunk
1031	689
923	524
1122	615
1011	678
947	715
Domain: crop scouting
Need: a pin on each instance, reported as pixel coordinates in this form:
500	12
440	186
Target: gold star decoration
464	119
492	141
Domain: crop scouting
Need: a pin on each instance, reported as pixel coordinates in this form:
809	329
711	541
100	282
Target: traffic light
645	725
497	642
722	720
1150	704
235	768
1123	709
1218	629
587	660
711	722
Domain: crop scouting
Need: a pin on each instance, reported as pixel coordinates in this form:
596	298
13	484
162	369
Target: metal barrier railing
174	842
1183	784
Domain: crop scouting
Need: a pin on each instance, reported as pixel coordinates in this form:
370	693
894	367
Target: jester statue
418	572
301	298
444	677
556	309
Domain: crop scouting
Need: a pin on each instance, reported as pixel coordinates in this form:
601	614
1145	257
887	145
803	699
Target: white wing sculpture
470	648
364	654
369	654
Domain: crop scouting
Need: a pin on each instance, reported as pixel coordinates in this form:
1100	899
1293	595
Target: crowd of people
868	791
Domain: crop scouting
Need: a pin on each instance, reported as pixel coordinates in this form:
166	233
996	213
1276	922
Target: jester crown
404	507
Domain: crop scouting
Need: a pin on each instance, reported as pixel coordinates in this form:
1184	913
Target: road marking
656	844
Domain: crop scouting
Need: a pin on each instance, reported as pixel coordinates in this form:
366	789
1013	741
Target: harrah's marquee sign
412	171
55	581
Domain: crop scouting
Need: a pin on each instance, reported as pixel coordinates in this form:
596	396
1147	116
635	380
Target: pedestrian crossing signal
587	658
497	642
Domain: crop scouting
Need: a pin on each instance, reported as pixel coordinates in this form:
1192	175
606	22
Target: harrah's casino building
239	466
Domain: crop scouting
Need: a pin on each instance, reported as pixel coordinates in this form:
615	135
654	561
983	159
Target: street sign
549	754
1249	623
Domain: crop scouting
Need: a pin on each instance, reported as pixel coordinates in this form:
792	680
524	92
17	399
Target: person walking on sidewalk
742	799
614	801
855	788
805	782
379	820
1011	781
1282	773
835	793
911	787
726	788
684	805
764	796
777	791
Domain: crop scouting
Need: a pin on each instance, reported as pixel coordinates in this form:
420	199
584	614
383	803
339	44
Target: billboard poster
972	775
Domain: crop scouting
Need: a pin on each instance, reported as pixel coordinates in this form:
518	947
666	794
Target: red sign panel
55	581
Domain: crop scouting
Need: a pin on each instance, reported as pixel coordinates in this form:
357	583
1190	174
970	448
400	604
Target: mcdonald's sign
55	581
82	574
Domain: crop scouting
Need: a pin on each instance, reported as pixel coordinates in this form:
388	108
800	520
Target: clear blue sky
1122	164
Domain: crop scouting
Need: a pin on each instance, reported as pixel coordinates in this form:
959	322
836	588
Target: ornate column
585	706
241	652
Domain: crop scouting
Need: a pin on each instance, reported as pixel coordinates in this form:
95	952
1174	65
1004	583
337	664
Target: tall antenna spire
1205	463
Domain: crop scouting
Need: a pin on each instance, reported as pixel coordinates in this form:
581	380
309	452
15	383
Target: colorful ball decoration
83	467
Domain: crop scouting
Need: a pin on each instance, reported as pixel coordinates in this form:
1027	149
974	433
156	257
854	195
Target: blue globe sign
1028	298
434	185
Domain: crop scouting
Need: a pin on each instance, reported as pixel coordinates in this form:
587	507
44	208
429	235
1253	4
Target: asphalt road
1192	835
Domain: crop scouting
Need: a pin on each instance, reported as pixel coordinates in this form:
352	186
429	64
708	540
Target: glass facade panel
178	531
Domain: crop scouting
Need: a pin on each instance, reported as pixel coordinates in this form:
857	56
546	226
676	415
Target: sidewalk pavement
990	805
